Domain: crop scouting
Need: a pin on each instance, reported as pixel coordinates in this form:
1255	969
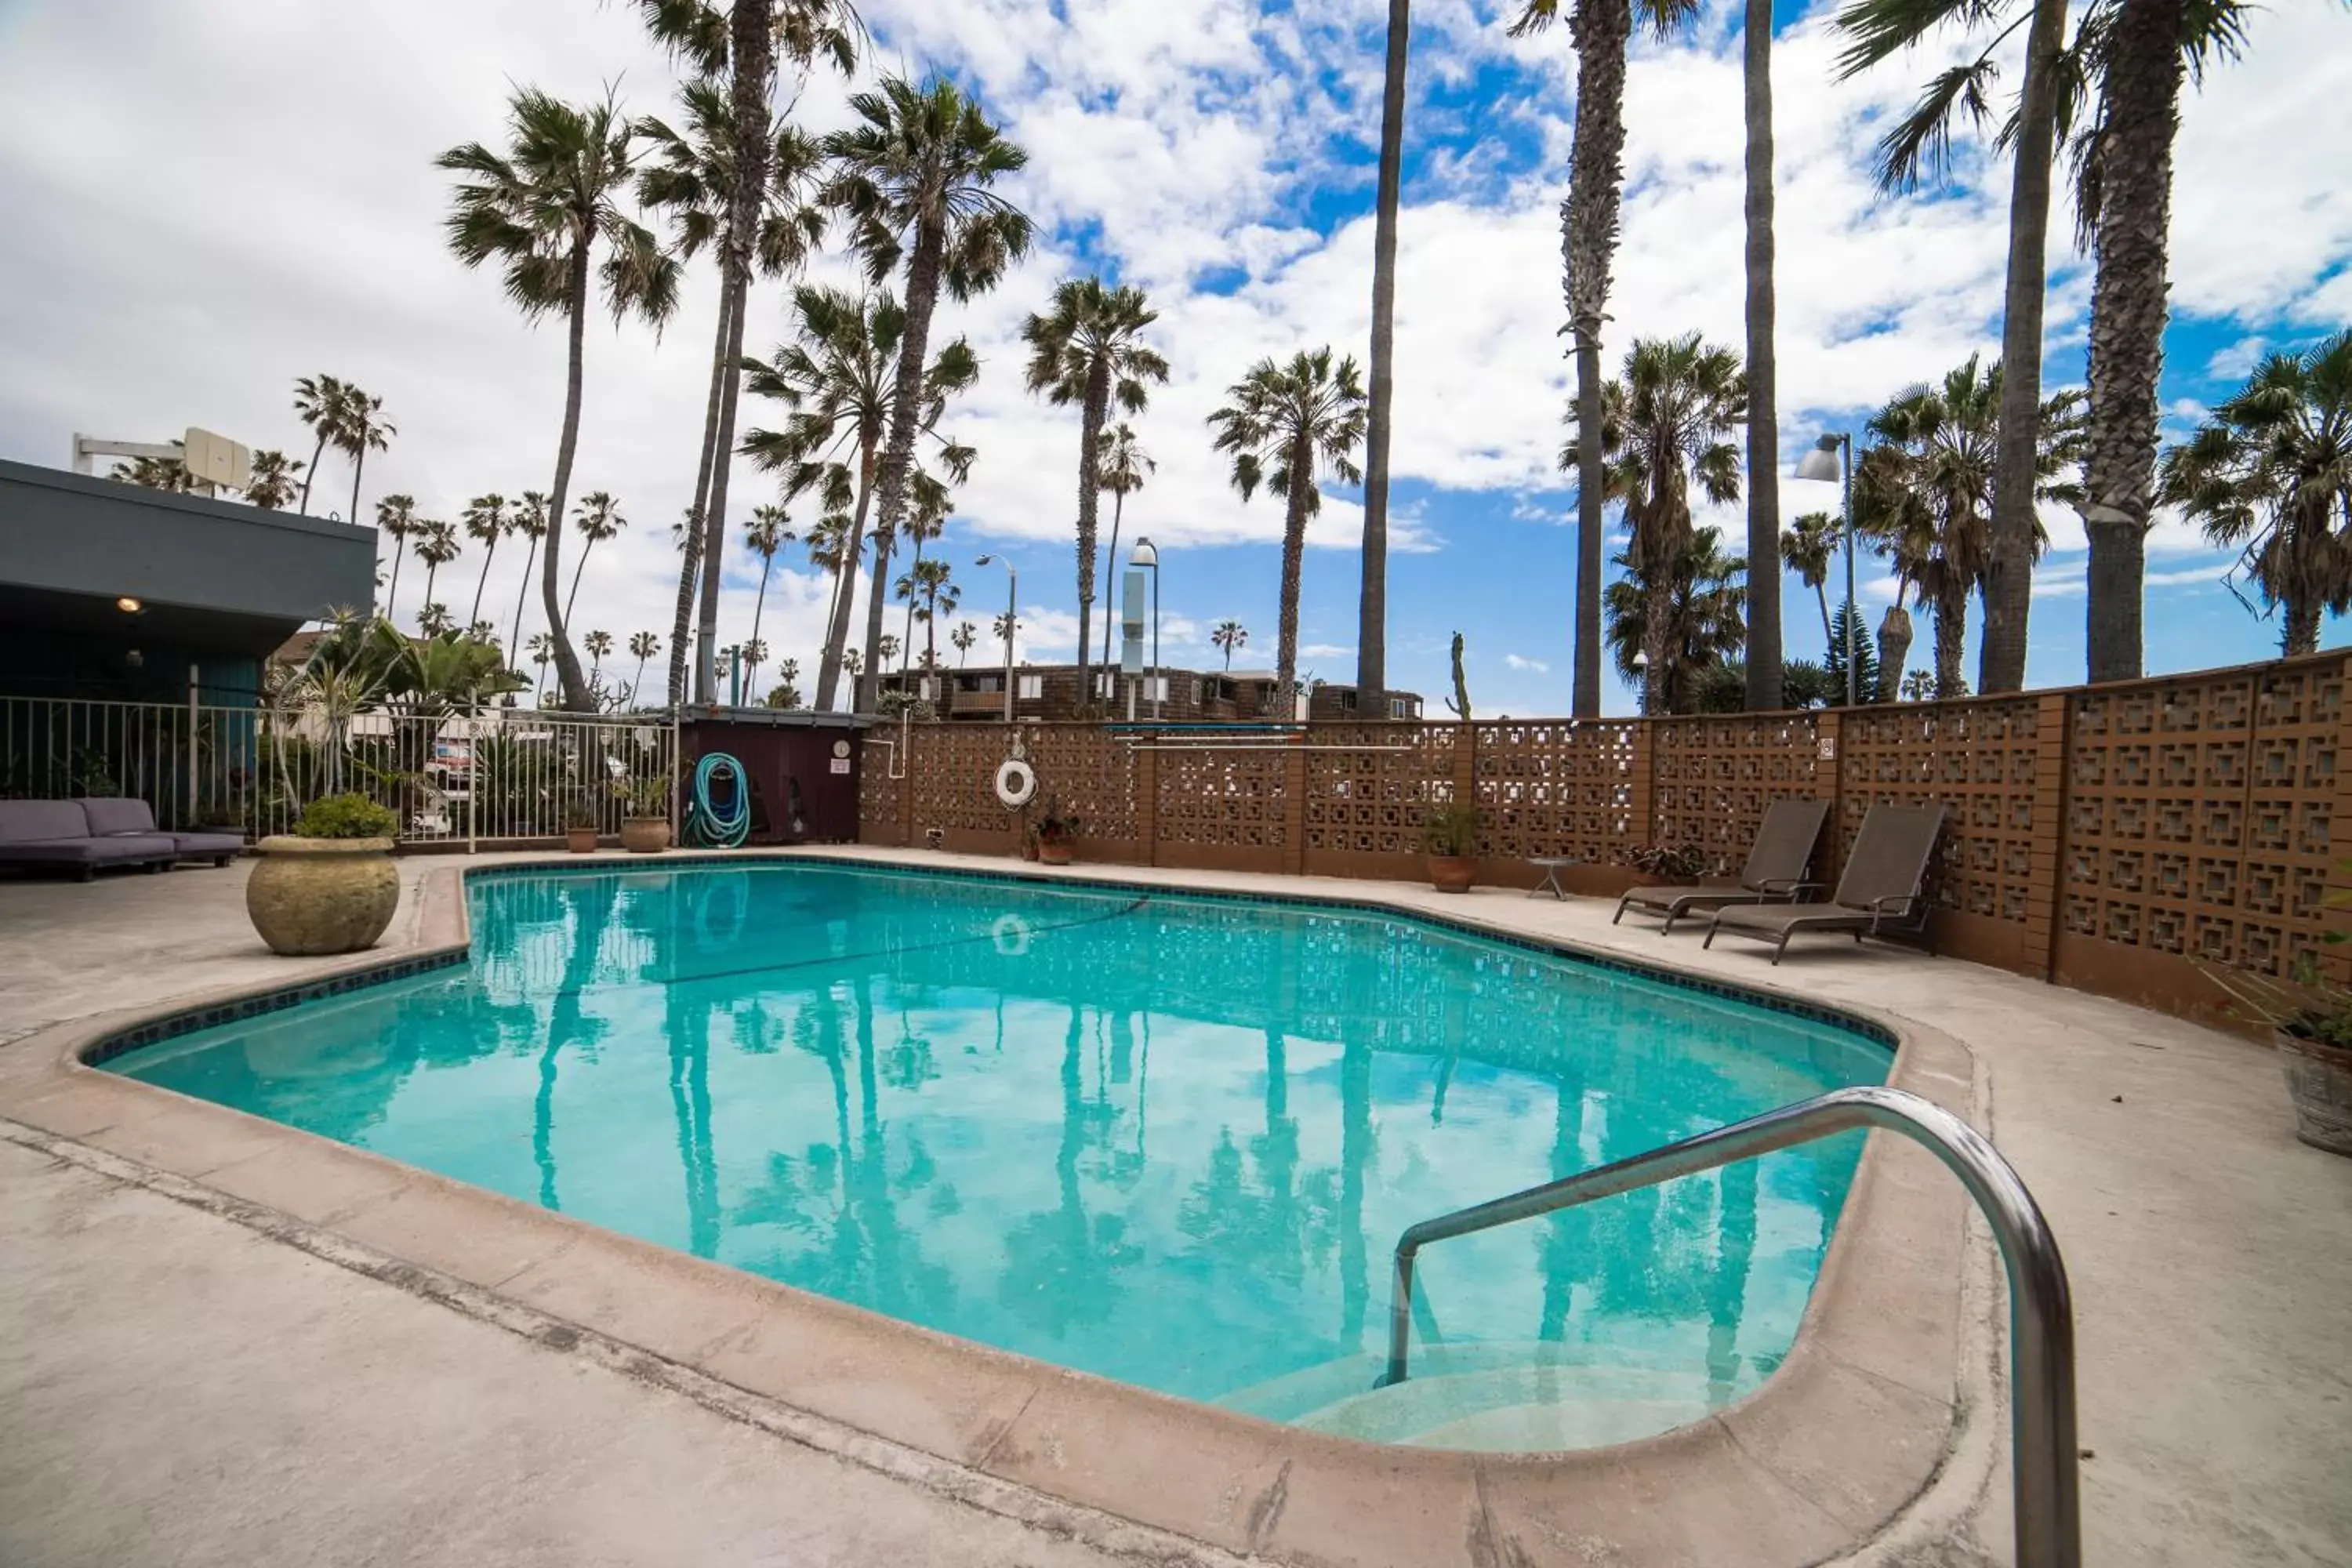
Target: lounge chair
57	833
1880	892
1775	869
119	817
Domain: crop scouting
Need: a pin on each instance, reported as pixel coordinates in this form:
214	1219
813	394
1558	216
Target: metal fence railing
506	775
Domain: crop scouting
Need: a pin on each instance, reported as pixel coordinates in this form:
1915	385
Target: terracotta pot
1452	873
1028	850
644	834
1055	853
313	896
580	840
2319	1081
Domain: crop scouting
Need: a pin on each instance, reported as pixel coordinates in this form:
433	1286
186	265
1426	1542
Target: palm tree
435	618
1229	635
740	152
1699	602
319	403
1764	656
768	531
436	546
839	381
964	637
1807	547
644	646
929	590
755	653
1122	468
396	519
926	520
1587	234
599	645
915	177
540	210
851	660
485	518
362	429
1005	627
542	649
1926	487
529	520
1918	145
686	537
169	474
1087	349
2271	472
1668	427
271	484
1372	602
1283	422
598	518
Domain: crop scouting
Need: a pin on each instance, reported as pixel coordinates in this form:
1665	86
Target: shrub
346	817
1451	830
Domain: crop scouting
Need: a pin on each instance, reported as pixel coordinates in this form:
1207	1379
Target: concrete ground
177	1388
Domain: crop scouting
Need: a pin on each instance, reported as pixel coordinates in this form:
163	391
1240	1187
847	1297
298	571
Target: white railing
504	776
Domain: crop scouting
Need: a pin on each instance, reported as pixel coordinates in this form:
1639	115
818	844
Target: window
1033	687
1155	688
1105	683
1401	708
929	694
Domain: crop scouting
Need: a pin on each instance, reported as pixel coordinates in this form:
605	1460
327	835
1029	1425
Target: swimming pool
1165	1139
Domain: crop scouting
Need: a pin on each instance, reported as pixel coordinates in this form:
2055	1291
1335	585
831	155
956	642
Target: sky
206	202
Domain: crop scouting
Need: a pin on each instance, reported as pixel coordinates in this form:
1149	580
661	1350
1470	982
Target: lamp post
1818	464
1147	558
1012	620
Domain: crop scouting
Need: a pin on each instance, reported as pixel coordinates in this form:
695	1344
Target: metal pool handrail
2042	1453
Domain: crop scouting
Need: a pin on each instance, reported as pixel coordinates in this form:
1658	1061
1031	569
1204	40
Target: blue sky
206	207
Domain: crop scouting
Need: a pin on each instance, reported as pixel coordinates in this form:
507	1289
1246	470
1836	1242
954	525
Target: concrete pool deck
2209	1251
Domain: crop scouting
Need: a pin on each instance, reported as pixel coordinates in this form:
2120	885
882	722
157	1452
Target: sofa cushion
116	814
209	842
30	821
115	849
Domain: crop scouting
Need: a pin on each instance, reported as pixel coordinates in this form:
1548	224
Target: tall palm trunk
359	466
898	451
1118	511
1294	560
1894	649
2009	577
568	675
638	680
579	570
750	53
1658	555
836	631
914	590
1588	246
312	473
514	643
488	554
1090	423
690	566
2301	630
391	594
1822	596
759	604
1763	410
1372	602
432	570
2141	89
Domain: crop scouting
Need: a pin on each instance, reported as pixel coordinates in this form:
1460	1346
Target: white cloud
1516	661
2233	363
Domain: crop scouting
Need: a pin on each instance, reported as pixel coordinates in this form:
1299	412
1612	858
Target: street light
1145	557
1821	465
1012	620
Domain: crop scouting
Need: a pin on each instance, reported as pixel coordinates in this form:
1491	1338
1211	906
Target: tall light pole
1818	465
1012	620
1147	558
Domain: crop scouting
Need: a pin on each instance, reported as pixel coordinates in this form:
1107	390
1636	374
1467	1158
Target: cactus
1460	700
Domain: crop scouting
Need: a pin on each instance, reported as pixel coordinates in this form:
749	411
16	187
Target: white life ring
1011	935
1016	782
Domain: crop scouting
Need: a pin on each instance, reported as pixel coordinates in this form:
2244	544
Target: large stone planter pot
313	895
1452	873
2319	1081
644	834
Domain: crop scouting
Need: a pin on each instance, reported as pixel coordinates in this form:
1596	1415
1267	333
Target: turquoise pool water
1163	1138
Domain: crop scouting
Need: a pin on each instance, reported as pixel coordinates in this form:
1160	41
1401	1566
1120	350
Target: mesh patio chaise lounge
1880	892
1775	869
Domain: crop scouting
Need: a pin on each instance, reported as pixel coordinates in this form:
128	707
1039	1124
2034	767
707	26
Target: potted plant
1451	835
580	827
645	820
1673	865
329	885
1056	833
2310	1019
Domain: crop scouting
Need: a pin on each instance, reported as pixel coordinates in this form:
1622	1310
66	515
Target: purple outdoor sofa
84	834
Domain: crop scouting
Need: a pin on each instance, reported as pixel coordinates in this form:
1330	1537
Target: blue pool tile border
189	1020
